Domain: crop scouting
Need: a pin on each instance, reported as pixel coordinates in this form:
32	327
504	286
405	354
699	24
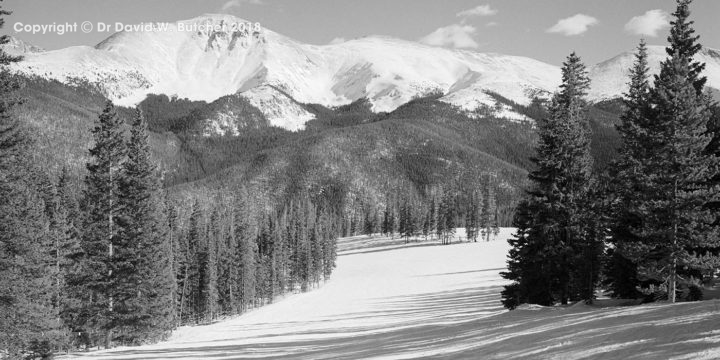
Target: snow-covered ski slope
388	300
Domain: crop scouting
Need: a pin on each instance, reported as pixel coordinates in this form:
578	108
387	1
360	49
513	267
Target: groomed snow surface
388	300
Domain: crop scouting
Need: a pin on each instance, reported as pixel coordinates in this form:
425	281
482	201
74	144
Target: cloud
337	40
648	24
480	10
492	24
236	3
455	35
574	25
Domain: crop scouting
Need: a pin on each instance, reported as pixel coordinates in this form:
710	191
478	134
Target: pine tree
29	319
676	219
405	227
191	301
184	261
714	148
471	218
93	274
392	222
446	218
65	236
589	248
628	185
410	226
316	252
228	272
144	276
281	252
246	254
495	223
484	220
386	223
207	272
370	222
329	242
432	216
440	228
172	227
553	216
528	264
426	225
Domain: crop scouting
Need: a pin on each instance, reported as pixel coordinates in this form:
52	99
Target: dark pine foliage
29	317
666	197
627	186
555	237
145	311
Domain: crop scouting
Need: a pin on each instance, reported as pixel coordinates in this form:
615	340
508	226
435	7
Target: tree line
121	265
434	216
119	262
647	228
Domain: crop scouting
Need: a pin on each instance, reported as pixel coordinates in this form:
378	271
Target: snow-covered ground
388	300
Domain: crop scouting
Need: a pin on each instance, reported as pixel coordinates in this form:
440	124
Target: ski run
391	300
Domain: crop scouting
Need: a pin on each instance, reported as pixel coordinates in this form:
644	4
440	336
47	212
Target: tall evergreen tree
676	221
440	226
486	213
228	271
100	230
144	276
446	218
628	185
432	215
247	253
406	222
553	219
191	301
207	272
370	222
65	237
471	218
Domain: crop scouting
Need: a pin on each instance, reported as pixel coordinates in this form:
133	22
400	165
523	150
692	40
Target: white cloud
492	24
648	24
455	35
337	40
236	3
480	10
574	25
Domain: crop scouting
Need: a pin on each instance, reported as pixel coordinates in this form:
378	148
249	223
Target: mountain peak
609	78
217	17
209	30
18	47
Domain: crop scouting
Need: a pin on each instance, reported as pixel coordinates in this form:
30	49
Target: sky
547	30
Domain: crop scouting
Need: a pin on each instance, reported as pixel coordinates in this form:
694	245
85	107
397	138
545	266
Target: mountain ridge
276	73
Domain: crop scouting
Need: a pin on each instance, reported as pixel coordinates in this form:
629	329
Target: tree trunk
673	254
110	235
673	280
182	296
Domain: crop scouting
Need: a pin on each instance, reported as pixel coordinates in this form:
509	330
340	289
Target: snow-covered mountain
277	74
609	78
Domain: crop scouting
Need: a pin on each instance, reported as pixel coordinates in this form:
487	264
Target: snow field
388	300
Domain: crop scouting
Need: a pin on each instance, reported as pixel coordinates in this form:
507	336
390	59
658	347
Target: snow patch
280	110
